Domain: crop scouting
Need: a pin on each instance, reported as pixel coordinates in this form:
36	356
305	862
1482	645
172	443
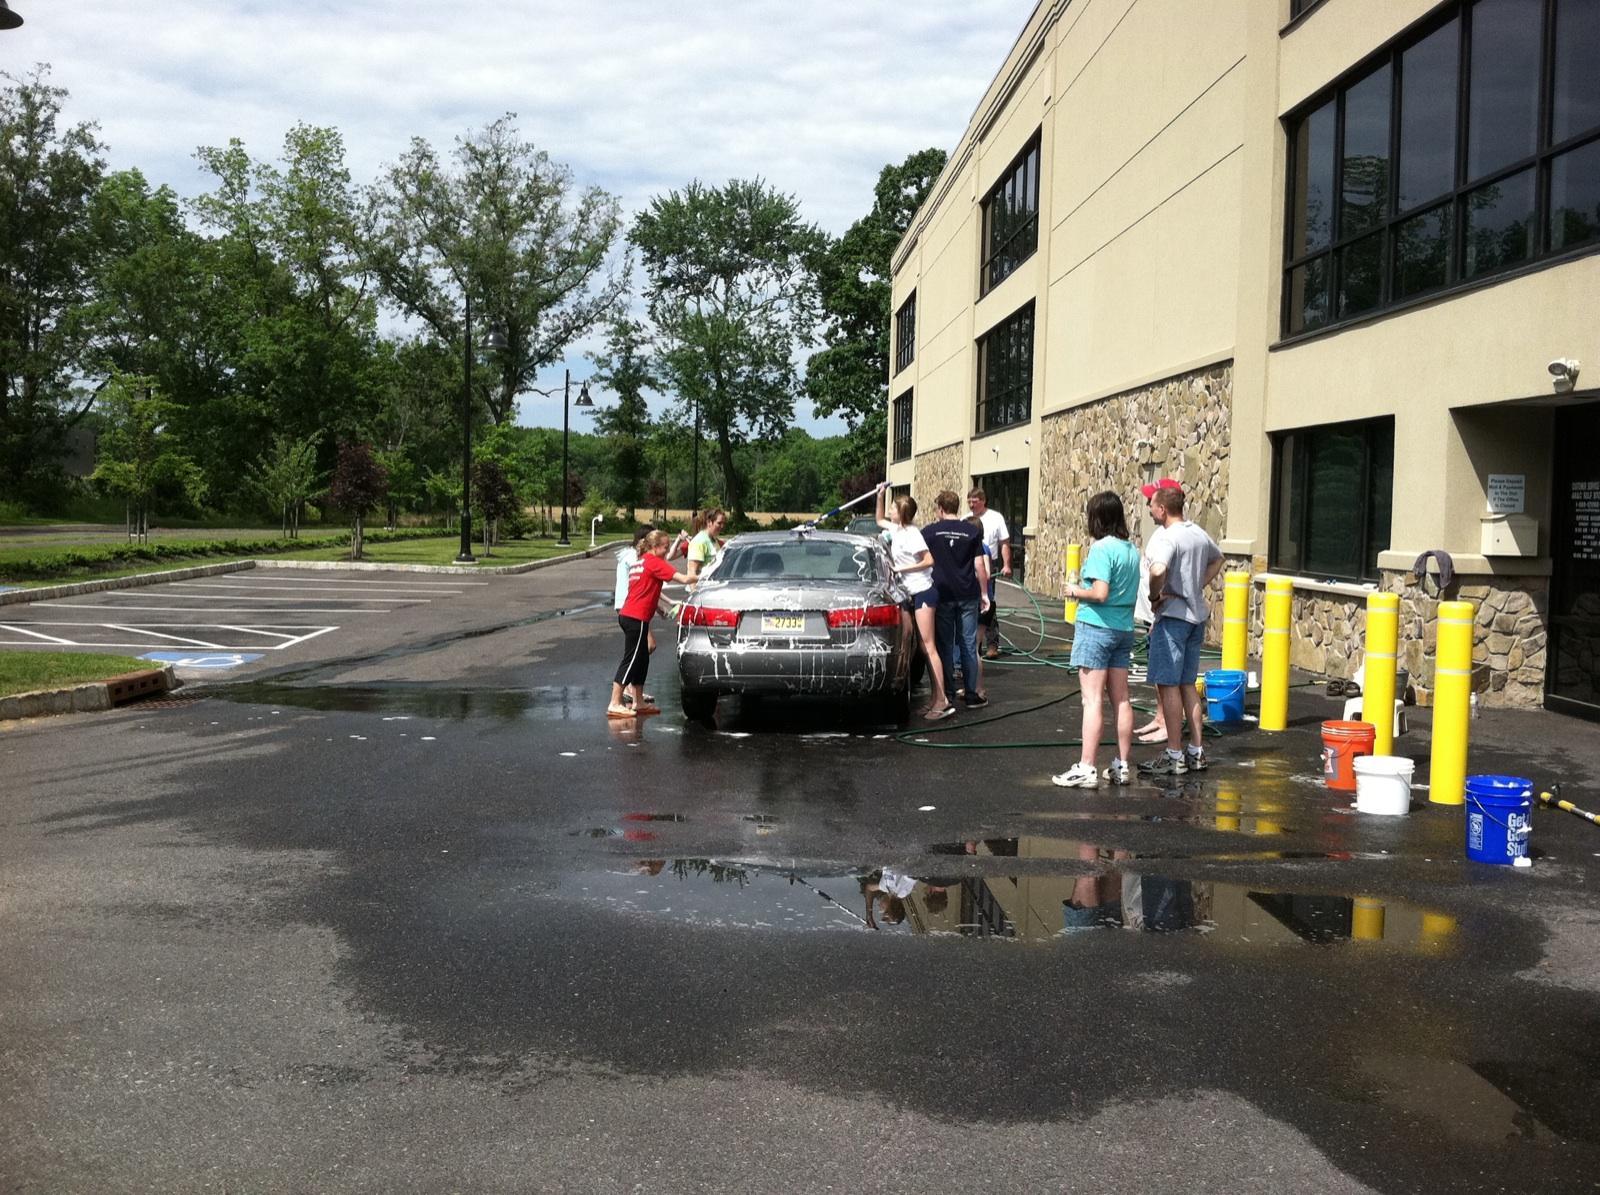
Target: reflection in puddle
548	702
1025	907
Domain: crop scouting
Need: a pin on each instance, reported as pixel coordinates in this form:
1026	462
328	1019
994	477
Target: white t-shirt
1185	551
896	884
906	547
994	534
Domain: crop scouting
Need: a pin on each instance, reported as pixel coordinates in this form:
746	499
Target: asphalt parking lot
400	909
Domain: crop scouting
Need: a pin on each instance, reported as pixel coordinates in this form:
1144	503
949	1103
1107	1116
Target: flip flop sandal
646	710
650	700
1152	736
618	711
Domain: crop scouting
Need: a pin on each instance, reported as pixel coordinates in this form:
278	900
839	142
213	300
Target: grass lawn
443	551
27	671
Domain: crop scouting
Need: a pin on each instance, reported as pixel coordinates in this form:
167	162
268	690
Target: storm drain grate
170	701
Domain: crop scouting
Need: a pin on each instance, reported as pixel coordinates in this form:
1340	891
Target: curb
97	695
366	566
78	588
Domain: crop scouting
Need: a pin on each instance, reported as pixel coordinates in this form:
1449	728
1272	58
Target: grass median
443	551
33	671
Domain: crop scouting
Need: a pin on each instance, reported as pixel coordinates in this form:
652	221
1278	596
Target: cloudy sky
637	96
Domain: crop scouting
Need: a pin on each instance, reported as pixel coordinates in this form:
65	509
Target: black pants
635	651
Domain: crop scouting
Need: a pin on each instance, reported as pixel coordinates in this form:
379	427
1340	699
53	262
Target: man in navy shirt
957	548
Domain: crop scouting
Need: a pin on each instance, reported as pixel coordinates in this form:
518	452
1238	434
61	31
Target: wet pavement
418	917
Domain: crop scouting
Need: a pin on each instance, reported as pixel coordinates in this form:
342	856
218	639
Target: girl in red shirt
644	592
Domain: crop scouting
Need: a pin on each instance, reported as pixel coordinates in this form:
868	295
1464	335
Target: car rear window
800	560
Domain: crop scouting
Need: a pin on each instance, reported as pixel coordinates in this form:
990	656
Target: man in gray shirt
1183	561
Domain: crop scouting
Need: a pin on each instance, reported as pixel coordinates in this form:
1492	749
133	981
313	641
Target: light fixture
1564	372
8	19
583	399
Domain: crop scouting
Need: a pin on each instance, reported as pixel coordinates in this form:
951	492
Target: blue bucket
1225	695
1499	818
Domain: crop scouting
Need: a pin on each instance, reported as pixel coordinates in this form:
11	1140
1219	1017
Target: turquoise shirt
1116	562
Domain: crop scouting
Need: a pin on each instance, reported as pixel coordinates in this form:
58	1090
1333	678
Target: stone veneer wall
1509	637
941	469
1178	428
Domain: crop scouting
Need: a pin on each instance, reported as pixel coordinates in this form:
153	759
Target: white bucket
1383	784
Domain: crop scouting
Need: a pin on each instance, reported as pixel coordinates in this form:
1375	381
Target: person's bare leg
1122	708
1195	711
1171	697
1092	685
939	699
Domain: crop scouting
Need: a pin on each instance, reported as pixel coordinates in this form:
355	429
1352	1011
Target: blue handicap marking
184	659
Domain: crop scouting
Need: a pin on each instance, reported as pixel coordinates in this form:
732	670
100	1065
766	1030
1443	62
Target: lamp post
694	498
583	400
493	341
8	19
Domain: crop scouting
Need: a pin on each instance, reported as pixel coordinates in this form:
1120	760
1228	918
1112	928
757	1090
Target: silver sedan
815	613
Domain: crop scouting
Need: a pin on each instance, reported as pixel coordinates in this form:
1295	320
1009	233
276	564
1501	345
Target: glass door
1572	677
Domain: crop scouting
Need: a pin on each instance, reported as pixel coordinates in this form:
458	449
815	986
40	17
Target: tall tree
503	223
733	300
625	368
359	484
48	178
849	376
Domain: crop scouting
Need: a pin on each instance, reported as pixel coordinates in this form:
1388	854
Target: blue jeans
956	632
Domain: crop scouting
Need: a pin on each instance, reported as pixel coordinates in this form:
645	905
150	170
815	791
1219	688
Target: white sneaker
1117	773
1079	775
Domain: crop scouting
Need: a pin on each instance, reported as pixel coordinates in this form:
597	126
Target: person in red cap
1184	560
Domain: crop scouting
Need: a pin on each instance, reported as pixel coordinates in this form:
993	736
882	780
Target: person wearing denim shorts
1102	640
1184	560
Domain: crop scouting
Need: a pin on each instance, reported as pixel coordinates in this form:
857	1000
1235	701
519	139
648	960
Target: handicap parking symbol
227	659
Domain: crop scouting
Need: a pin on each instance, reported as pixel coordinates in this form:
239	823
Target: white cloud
636	96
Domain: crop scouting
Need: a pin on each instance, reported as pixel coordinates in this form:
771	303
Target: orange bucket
1341	743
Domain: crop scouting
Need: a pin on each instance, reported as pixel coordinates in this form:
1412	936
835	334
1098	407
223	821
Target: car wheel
894	707
699	706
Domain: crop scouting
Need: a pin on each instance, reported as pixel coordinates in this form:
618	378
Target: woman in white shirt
913	564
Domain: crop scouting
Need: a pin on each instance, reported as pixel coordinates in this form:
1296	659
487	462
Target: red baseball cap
1166	483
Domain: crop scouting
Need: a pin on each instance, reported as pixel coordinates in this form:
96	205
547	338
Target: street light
492	341
583	400
8	19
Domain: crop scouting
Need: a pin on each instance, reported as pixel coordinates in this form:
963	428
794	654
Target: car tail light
708	616
864	616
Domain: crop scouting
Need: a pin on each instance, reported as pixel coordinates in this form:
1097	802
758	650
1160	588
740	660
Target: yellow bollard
1452	704
1366	919
1275	654
1069	608
1377	691
1236	621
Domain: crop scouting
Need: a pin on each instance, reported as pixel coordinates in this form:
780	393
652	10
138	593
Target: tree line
230	352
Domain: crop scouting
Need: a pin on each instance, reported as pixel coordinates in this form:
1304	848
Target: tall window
1005	373
1011	219
905	333
1333	491
1472	146
901	417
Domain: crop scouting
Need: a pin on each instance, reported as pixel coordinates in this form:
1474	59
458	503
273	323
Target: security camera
1563	367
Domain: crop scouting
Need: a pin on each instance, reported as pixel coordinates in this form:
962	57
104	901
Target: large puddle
1111	896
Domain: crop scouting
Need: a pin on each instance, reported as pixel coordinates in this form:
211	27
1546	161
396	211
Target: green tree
138	455
502	222
625	368
48	178
733	299
849	376
359	486
285	478
494	496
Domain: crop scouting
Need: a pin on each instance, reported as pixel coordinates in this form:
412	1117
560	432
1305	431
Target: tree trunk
355	541
730	479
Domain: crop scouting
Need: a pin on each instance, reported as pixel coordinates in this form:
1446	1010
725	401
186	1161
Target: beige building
1320	260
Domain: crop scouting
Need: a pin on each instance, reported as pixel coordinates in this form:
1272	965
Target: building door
1008	493
1572	677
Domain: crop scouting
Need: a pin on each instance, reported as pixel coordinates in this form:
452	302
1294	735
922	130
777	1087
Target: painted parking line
85	637
200	609
35	634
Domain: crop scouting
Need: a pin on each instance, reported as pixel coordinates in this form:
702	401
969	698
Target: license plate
783	624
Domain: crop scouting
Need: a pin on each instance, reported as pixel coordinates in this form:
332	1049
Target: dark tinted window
1428	72
1575	197
1499	224
1011	219
1576	105
1422	251
905	333
1313	198
1503	89
1364	194
1332	507
902	426
1005	373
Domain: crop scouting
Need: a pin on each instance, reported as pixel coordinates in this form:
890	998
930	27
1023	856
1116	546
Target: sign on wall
1508	493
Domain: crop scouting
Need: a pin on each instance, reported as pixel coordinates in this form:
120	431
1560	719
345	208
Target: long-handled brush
1553	799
